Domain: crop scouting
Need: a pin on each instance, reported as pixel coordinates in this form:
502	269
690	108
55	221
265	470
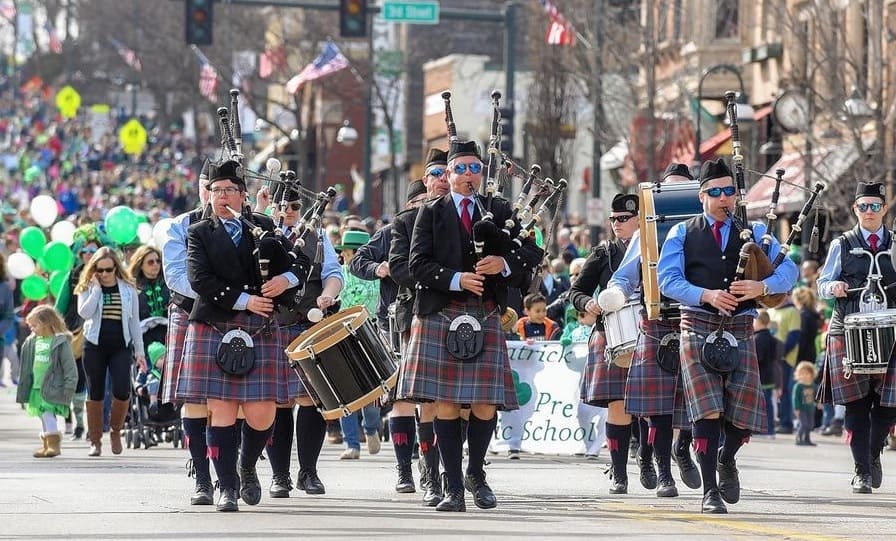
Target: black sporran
236	353
719	353
668	353
465	338
404	313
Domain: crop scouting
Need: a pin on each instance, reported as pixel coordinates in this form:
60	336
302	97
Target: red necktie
465	217
717	232
872	241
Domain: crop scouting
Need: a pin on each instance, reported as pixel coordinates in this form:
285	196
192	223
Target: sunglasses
295	205
436	172
874	207
152	261
621	219
716	191
88	250
461	168
104	270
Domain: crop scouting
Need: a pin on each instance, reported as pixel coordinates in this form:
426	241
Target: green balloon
57	282
32	241
32	173
121	224
539	238
57	257
35	287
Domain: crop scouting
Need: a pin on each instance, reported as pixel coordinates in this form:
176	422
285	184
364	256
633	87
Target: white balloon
160	232
44	210
20	265
64	232
144	233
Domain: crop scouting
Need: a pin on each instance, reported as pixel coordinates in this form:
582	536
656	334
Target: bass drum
662	206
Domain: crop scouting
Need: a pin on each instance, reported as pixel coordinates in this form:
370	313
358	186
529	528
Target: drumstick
316	314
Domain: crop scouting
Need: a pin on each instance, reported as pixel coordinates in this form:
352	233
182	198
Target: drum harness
872	297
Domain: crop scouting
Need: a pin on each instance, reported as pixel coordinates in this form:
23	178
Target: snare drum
346	361
621	328
662	206
870	338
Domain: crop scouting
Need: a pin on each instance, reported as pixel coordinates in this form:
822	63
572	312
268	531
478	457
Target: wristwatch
764	290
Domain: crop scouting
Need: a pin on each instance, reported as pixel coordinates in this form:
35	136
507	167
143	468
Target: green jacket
61	378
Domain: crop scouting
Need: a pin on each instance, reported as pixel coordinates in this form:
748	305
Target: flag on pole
128	55
560	31
329	61
53	40
271	61
208	77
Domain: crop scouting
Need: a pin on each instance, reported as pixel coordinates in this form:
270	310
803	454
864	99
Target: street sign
411	11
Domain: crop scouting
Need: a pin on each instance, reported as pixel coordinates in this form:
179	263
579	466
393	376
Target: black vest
186	303
854	271
313	286
705	265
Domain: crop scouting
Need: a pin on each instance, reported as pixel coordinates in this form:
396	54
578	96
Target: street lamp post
744	111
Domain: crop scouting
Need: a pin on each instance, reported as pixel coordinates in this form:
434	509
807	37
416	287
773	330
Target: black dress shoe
405	484
648	473
432	495
203	495
453	501
310	483
729	482
227	500
666	485
713	504
618	483
250	487
861	483
281	484
483	496
687	470
877	473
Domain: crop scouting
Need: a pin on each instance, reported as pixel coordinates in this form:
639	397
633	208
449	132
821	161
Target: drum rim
878	316
357	404
298	348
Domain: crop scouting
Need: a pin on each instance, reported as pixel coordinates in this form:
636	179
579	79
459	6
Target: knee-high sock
239	433
222	452
645	445
660	436
479	434
858	425
280	447
618	437
685	437
451	447
311	429
706	443
195	442
252	444
429	448
403	433
882	419
735	438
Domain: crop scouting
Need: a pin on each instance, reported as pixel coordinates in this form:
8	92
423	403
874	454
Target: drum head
326	333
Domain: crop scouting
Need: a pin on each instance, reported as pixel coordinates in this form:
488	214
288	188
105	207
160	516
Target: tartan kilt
298	384
429	373
738	395
650	390
602	382
858	386
200	377
178	321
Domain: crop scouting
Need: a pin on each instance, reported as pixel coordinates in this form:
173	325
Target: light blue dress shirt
627	276
830	273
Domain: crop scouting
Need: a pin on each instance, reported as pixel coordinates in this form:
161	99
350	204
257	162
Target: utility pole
597	113
650	76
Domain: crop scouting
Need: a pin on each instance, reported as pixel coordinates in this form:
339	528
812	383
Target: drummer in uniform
603	383
653	389
231	356
322	286
870	399
696	268
457	353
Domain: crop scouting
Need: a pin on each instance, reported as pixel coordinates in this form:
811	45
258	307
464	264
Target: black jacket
768	351
367	259
596	272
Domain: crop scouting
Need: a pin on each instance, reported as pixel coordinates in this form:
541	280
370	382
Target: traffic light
353	18
199	21
506	130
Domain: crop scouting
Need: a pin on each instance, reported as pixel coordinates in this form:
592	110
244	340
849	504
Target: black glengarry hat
464	148
871	189
623	202
677	169
436	156
226	170
714	169
415	189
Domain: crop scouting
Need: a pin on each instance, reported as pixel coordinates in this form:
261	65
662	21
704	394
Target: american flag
54	43
329	61
208	77
270	61
560	31
128	55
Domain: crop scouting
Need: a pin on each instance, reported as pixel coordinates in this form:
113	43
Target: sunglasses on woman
874	207
104	270
621	219
295	205
152	261
461	168
717	191
90	250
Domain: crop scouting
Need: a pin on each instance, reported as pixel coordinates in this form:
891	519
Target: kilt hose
200	378
298	383
602	382
858	386
738	395
178	321
650	390
429	373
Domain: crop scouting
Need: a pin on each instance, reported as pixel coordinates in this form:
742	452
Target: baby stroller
151	422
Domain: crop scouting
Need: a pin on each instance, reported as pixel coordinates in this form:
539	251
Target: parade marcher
696	268
870	399
402	417
234	301
653	389
107	302
603	383
322	286
194	416
442	365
